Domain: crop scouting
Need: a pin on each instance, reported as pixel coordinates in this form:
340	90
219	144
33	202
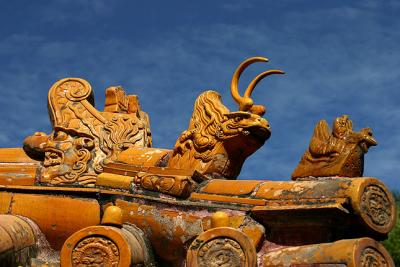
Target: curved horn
245	103
259	77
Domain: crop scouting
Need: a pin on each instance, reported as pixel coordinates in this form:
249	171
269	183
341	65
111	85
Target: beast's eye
237	119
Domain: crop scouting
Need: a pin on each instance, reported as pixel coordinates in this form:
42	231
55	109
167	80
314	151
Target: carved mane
204	128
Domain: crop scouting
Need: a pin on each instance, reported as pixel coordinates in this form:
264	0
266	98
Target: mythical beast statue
218	141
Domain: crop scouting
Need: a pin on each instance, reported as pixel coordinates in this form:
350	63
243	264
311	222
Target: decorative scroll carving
95	251
376	204
221	252
372	257
175	185
340	153
218	141
84	138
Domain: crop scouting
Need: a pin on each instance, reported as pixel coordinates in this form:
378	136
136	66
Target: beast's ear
258	110
235	114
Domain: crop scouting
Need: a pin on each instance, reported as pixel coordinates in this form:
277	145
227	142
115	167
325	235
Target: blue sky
340	57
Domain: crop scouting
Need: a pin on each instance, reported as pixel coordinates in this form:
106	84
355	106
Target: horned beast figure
218	141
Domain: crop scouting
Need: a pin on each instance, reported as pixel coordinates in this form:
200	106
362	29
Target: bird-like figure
337	153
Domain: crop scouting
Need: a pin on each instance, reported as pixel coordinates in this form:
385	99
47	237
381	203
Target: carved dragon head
218	141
